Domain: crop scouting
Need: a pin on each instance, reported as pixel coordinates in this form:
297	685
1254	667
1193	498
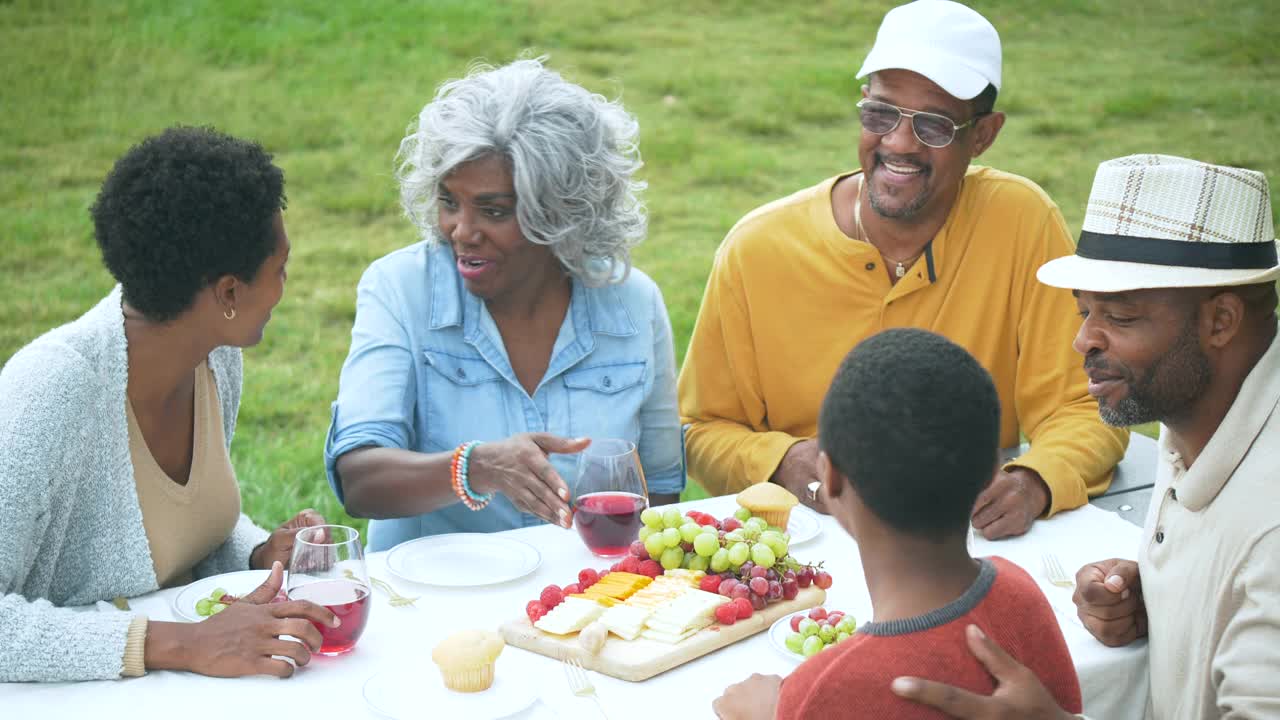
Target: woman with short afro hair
115	473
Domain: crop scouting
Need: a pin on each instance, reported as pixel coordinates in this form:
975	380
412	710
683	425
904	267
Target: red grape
741	591
726	587
795	622
790	589
638	551
758	602
835	617
759	572
759	586
686	546
730	524
745	570
817	613
822	579
775	590
805	577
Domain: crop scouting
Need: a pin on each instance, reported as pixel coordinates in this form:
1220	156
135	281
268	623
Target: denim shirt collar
592	311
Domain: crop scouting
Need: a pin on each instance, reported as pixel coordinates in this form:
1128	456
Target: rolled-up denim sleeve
661	442
377	388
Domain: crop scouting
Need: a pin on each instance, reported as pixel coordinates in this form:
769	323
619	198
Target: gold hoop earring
229	314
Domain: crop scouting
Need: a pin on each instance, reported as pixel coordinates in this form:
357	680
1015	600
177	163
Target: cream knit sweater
71	530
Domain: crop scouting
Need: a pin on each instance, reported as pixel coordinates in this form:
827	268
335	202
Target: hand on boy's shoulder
752	699
1011	503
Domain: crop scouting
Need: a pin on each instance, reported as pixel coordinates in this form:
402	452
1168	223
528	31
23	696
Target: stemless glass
328	569
609	495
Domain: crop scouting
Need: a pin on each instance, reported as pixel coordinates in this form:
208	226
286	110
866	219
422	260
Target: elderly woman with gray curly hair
485	355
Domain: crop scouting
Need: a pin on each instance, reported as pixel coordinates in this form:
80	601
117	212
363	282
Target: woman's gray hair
572	153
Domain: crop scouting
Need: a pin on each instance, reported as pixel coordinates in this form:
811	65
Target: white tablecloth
1114	681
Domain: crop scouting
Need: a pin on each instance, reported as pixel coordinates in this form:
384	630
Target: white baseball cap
947	42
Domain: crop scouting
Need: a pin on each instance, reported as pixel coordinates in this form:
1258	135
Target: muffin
466	659
770	502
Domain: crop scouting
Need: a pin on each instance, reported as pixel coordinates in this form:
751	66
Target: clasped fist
1108	599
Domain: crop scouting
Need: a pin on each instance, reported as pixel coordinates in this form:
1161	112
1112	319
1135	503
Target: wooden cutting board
641	659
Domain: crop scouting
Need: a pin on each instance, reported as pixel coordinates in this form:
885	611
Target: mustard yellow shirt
790	294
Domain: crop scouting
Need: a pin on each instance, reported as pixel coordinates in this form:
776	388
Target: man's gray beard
903	213
1126	413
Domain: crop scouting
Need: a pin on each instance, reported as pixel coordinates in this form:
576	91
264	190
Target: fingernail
903	685
977	632
337	621
564	495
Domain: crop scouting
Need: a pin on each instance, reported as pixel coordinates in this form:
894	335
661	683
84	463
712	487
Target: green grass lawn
739	103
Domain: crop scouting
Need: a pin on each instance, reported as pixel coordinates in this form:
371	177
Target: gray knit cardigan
71	529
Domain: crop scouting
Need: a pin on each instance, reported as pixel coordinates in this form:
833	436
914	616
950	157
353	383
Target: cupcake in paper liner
772	503
466	659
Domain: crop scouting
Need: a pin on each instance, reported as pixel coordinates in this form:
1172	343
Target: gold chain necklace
901	269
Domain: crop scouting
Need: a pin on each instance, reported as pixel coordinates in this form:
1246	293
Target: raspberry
551	596
649	568
629	564
744	608
710	583
730	524
587	577
727	614
571	589
535	610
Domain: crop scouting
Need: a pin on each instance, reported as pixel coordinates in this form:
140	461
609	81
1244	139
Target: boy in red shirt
909	432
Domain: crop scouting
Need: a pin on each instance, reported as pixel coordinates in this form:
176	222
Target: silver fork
397	600
1054	572
581	685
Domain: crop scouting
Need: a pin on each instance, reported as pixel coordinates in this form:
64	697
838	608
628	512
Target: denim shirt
428	370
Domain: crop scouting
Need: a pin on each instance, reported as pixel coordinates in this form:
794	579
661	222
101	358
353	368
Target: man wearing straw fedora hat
1175	279
917	237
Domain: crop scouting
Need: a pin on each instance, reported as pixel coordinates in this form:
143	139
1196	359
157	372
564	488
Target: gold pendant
900	271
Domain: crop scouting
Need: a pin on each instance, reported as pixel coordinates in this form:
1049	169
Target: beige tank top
185	523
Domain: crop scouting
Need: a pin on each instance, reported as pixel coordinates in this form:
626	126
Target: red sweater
852	679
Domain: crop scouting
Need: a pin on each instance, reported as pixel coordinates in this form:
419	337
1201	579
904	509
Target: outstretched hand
1019	694
519	468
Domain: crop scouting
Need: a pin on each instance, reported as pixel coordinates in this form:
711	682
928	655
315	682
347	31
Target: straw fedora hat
1157	221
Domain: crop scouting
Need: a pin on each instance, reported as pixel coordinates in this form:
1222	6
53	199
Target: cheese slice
625	621
668	638
570	616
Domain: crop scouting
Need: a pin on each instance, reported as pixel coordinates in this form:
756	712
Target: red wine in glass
609	495
348	600
609	521
328	568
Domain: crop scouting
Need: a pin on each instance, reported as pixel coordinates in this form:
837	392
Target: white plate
803	525
404	693
778	633
462	560
235	583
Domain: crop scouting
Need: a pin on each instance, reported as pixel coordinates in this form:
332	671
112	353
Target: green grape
217	594
761	555
842	636
697	563
203	607
645	532
706	544
812	646
734	536
775	542
655	544
847	625
689	531
719	560
827	633
671	537
795	643
651	518
739	553
710	529
217	608
672	518
809	626
757	523
672	558
742	514
750	534
774	528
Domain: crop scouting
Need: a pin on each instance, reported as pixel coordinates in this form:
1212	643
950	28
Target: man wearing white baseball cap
915	238
1175	278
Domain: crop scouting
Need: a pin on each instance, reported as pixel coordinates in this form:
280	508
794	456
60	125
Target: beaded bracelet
458	477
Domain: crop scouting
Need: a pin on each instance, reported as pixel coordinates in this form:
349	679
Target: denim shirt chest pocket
462	399
605	400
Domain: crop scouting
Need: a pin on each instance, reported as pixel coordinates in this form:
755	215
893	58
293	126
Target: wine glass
609	495
327	568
